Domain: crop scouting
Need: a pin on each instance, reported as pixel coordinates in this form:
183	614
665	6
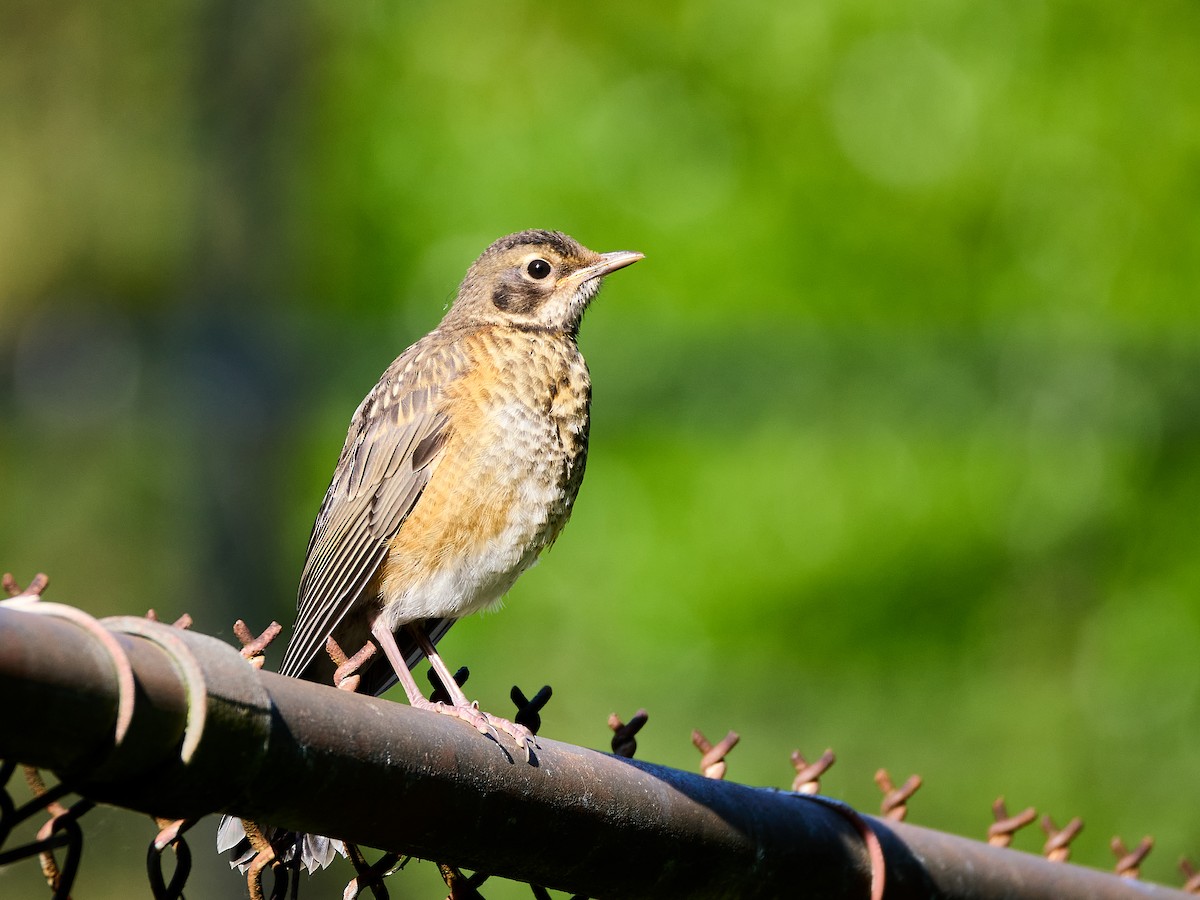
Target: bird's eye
538	268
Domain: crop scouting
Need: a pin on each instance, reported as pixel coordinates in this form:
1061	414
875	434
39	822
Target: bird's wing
395	442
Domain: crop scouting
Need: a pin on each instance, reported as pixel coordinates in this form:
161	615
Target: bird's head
534	279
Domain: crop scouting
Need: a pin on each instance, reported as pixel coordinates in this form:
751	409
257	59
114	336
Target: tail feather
316	851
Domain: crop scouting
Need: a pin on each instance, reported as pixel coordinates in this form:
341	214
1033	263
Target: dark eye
538	268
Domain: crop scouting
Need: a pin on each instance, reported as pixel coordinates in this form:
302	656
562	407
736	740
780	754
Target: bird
460	467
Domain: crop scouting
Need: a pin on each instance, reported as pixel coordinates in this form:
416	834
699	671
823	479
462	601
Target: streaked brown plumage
460	466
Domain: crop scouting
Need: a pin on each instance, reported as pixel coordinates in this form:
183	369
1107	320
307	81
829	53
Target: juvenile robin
460	466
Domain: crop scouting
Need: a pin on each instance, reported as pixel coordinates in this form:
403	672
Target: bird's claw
523	737
490	725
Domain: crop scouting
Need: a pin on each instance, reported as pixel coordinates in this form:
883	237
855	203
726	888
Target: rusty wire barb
61	829
61	879
1000	832
349	668
184	621
63	819
529	711
894	805
712	756
254	647
1192	874
1058	841
37	787
1129	862
170	835
462	887
36	587
808	775
624	739
370	875
269	855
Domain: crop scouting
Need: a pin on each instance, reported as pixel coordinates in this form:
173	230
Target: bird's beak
609	262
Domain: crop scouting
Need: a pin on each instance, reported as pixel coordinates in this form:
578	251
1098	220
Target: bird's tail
316	852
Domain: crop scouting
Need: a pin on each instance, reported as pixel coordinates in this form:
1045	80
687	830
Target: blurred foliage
895	442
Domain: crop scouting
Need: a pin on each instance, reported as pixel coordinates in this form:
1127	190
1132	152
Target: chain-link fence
132	712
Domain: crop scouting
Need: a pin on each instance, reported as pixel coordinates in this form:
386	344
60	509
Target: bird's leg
386	640
457	697
519	733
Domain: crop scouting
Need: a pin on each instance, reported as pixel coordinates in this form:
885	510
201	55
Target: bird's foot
486	723
523	737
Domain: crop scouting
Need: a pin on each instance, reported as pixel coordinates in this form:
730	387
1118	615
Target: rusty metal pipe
209	732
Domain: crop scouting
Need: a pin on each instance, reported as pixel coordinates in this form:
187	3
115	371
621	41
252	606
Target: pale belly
492	508
465	582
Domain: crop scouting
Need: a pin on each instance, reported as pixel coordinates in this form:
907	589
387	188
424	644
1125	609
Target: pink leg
416	699
457	697
519	733
461	708
387	641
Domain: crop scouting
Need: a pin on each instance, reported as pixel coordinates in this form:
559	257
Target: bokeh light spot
903	112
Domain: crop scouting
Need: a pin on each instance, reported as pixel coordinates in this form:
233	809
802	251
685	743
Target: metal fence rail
176	724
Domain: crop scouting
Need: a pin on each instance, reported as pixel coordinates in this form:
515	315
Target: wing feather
392	448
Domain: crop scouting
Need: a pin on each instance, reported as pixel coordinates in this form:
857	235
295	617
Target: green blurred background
895	443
